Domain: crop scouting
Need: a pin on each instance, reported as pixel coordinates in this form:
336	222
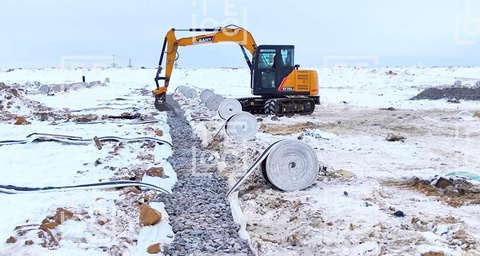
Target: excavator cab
270	66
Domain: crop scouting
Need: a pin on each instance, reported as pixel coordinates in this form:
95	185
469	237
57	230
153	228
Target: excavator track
278	106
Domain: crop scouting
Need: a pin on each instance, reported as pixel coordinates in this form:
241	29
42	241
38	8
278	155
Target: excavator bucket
160	101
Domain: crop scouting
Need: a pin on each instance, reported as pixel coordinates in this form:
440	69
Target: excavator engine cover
160	101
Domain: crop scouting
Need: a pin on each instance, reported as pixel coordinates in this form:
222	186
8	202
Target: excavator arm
170	47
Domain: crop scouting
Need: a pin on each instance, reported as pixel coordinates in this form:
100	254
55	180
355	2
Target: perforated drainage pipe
288	165
228	108
241	126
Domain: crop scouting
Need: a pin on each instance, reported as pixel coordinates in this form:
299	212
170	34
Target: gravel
449	93
199	212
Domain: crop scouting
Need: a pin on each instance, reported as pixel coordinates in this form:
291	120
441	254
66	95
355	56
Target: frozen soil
350	208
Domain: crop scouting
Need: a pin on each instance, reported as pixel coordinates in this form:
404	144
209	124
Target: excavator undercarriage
279	106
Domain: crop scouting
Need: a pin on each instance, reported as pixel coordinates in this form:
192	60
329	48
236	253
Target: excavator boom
229	33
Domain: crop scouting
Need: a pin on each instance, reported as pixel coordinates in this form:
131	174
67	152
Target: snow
348	133
54	164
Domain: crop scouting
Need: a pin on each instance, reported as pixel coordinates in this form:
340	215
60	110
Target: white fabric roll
229	107
241	126
213	101
291	165
190	93
205	94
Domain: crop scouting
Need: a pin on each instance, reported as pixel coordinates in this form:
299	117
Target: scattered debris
443	183
159	132
454	192
344	173
293	240
155	172
21	121
63	215
98	143
395	137
431	253
389	108
154	248
453	101
11	240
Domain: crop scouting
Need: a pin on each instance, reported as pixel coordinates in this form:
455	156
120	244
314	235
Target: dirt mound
13	104
449	93
454	192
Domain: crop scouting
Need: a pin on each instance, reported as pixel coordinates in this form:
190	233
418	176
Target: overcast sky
37	33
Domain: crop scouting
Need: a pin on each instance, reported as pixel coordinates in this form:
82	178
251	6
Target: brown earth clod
149	216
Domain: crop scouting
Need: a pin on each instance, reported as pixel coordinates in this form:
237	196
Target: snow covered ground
348	211
102	222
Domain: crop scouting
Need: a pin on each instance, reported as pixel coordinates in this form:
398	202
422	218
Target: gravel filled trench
198	209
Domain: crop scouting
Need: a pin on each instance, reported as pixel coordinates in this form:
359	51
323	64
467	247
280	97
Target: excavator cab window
287	57
267	58
272	63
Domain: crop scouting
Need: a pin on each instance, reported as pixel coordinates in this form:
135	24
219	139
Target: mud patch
454	192
282	129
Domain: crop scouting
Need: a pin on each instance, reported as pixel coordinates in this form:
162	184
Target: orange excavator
279	86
